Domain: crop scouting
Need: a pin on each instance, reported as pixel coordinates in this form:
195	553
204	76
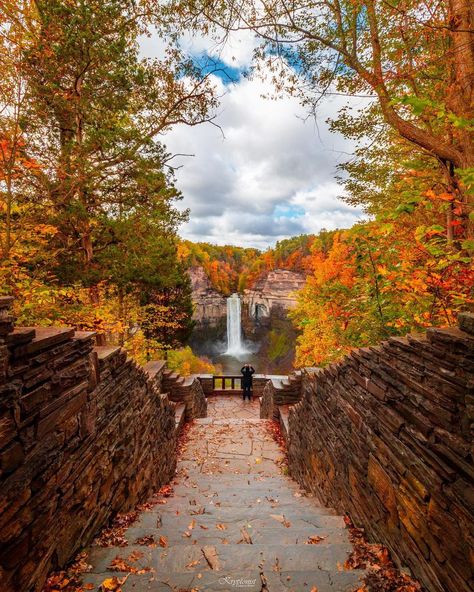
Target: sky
269	172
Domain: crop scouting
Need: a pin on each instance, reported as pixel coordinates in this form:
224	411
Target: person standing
247	380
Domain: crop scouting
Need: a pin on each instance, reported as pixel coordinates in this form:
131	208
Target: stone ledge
46	337
84	335
466	322
154	367
20	336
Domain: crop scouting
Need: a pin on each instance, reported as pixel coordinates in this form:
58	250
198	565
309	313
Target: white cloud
271	158
272	175
237	52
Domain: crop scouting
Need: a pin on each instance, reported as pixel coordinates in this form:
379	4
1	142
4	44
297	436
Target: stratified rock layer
209	305
274	290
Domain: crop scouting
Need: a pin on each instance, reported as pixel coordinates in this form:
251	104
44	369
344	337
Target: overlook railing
227	382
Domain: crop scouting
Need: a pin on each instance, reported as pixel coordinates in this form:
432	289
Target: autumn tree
81	138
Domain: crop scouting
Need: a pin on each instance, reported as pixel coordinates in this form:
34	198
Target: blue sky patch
208	64
288	211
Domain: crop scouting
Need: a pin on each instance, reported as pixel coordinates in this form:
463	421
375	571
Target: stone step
205	532
187	558
240	517
224	581
262	499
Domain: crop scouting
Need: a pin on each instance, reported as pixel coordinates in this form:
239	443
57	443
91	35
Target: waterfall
234	329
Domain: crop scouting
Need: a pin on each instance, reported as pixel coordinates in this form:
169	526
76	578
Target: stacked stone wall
84	433
386	435
194	398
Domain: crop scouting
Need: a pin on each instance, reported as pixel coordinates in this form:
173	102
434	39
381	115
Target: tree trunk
461	24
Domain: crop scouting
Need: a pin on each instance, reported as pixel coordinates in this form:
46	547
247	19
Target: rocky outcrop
275	290
210	307
386	435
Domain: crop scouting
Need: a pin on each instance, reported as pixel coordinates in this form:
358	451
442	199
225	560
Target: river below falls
232	364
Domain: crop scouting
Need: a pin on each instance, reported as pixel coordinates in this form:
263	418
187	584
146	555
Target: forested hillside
232	269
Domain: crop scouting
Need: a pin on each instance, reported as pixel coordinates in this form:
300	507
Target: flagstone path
234	520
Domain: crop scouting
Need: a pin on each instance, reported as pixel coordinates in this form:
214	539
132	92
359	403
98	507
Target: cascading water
234	329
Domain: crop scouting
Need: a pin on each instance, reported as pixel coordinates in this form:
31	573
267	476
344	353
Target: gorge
264	324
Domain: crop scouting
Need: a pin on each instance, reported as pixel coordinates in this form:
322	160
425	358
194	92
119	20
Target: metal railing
227	382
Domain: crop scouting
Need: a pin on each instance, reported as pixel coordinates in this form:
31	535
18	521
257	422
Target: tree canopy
88	201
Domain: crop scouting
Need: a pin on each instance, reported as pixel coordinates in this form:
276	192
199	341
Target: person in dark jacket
247	372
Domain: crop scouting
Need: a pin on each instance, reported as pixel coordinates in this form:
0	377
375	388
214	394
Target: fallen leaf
163	541
199	511
281	519
112	584
135	556
246	538
148	540
221	526
192	524
211	556
315	539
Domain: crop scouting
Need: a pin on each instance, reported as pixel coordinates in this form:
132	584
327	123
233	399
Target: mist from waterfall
235	346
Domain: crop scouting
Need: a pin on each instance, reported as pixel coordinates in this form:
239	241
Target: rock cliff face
274	291
209	305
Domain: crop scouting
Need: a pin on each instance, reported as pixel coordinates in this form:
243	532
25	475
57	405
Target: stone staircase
279	394
234	521
287	389
185	390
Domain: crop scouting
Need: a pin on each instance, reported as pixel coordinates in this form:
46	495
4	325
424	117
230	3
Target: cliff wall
210	306
275	290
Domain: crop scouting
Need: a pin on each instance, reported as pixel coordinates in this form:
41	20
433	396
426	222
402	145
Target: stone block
11	457
384	489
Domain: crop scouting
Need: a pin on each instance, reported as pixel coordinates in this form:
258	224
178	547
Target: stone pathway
234	521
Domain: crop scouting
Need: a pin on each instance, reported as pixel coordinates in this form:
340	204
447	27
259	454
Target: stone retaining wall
84	433
386	435
278	391
194	398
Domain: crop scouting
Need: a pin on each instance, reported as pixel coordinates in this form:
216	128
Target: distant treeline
232	269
